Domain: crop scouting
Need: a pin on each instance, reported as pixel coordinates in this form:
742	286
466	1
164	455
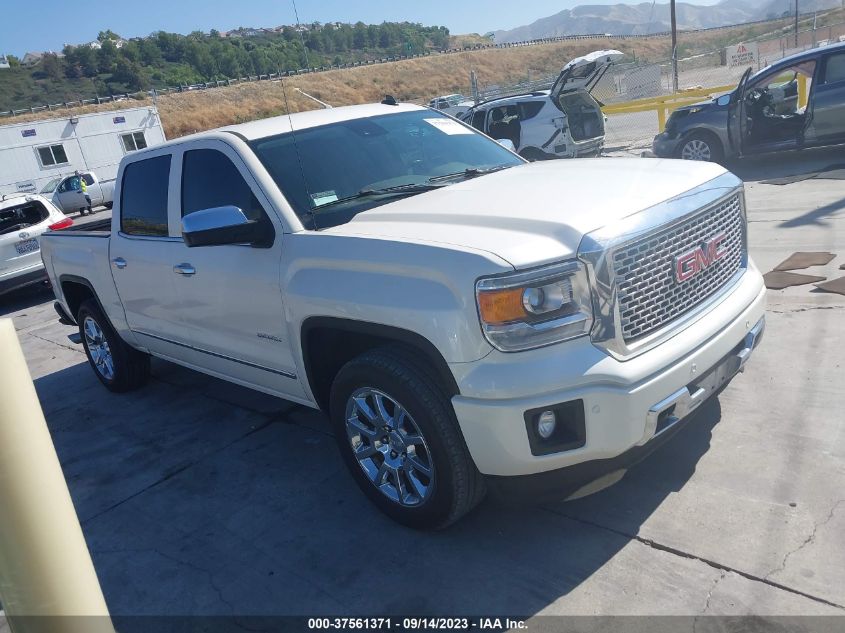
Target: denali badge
689	264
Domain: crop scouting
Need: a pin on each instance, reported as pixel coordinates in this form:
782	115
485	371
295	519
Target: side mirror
506	143
222	225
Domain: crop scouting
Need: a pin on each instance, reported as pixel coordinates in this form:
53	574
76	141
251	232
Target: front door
69	195
827	123
776	113
231	307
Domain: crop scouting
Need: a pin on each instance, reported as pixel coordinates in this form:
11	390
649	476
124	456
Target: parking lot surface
201	497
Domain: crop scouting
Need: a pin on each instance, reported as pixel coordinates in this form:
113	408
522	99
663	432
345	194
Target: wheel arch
75	290
328	343
706	133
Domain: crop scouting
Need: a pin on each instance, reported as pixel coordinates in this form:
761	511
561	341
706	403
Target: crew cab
23	220
66	192
468	320
564	122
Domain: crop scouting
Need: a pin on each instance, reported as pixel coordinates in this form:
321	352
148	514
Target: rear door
584	72
141	250
827	103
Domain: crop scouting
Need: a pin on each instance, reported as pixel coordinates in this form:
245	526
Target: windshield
333	172
50	187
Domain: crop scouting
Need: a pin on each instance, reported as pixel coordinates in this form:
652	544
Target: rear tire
117	365
397	432
701	146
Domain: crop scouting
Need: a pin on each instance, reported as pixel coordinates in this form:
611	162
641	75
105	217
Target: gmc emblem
689	264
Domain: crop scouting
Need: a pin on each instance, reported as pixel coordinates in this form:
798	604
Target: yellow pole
47	580
661	117
802	90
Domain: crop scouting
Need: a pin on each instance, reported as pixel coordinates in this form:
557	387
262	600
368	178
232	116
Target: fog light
546	423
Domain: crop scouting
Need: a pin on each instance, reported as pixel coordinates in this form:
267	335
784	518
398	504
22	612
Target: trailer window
133	141
143	197
52	155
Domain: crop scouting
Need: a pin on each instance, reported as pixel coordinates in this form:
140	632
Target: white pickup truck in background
66	193
468	320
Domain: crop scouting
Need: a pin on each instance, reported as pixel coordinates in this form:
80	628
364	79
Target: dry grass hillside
414	79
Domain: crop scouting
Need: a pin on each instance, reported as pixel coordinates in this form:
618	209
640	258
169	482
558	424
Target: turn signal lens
501	306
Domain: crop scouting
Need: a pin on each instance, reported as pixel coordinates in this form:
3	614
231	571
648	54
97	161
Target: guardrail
664	105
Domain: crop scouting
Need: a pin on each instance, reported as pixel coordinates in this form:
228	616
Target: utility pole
675	46
796	23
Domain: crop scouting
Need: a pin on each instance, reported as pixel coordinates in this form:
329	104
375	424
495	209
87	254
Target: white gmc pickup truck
469	321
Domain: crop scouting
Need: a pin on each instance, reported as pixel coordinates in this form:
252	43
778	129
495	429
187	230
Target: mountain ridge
646	17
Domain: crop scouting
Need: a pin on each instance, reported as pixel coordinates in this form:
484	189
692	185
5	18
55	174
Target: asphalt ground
198	497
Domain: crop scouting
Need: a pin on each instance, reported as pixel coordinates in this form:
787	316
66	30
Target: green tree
107	56
359	36
14	62
108	34
51	65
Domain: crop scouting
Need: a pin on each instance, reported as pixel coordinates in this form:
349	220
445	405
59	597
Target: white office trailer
35	153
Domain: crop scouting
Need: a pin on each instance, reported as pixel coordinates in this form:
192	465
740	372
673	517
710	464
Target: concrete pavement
200	497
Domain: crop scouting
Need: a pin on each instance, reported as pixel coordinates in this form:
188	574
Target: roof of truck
313	118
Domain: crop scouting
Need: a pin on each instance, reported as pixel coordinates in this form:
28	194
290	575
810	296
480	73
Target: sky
49	24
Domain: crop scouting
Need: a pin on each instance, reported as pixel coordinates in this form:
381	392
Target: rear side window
143	197
835	69
529	109
210	179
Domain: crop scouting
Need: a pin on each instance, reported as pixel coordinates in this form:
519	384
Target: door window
52	155
133	141
143	197
478	119
210	179
835	69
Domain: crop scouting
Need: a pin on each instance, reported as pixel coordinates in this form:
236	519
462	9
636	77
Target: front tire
119	367
399	437
701	146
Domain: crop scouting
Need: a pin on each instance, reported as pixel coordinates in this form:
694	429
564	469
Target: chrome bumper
668	412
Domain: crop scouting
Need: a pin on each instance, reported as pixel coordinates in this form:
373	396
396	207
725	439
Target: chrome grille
649	296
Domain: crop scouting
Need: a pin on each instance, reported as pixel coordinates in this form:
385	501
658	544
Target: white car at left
23	218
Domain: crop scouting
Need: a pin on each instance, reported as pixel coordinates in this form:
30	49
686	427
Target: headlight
533	308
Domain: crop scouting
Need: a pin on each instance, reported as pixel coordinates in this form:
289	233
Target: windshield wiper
471	172
406	189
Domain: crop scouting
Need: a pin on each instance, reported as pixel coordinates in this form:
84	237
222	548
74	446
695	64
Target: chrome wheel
389	447
696	149
98	348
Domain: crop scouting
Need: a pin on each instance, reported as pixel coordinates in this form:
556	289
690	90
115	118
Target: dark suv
798	102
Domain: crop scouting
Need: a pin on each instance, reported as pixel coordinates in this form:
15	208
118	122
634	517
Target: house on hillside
4	62
32	58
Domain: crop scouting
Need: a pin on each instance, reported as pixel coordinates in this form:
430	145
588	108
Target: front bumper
622	401
665	146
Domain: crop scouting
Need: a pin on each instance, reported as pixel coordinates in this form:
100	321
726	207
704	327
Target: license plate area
27	246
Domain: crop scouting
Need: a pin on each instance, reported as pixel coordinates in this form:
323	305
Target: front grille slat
649	297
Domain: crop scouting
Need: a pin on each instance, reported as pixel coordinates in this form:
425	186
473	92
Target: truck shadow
24	298
193	503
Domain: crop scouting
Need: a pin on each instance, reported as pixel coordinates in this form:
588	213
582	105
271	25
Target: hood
533	213
585	72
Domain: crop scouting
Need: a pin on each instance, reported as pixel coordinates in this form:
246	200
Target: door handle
184	269
119	262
